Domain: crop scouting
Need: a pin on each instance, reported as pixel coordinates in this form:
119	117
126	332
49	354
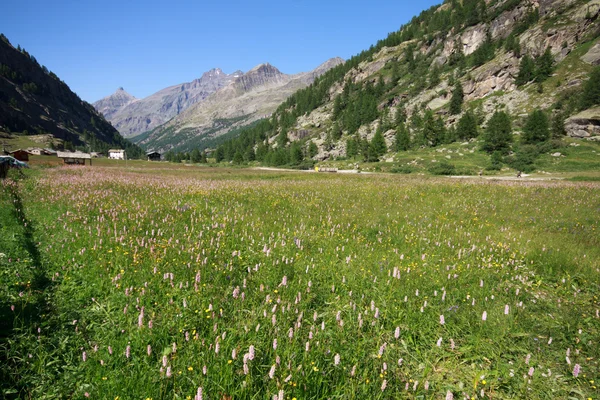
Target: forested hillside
33	100
470	70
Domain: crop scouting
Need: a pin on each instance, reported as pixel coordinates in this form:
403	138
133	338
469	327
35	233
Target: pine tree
558	125
544	66
526	71
402	142
591	90
195	156
434	130
498	133
377	146
457	99
400	117
467	126
282	139
536	129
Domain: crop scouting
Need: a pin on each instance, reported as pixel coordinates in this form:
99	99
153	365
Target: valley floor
164	281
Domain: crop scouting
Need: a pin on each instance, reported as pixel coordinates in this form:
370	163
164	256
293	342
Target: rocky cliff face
248	97
112	104
35	100
569	28
133	116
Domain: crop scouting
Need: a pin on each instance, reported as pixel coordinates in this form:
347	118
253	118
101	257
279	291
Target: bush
442	168
402	169
524	158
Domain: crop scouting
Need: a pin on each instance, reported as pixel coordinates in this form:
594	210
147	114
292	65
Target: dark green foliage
195	156
434	76
467	127
531	18
524	158
351	148
498	133
526	70
591	90
457	99
377	147
536	129
434	130
336	131
402	142
400	117
250	155
442	168
219	154
282	139
495	162
296	154
513	45
558	125
313	150
544	66
484	53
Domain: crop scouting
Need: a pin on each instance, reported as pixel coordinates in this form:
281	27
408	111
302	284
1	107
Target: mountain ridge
140	115
251	96
33	100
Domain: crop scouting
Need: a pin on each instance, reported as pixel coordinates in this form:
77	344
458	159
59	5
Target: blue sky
144	46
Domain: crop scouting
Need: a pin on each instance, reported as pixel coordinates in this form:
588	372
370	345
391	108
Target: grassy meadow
164	282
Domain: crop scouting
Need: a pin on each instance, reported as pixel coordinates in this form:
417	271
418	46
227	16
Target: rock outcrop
586	124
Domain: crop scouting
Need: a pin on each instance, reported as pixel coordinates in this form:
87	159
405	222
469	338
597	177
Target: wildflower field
224	284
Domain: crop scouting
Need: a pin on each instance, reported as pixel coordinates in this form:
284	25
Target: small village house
153	156
20	155
76	158
116	154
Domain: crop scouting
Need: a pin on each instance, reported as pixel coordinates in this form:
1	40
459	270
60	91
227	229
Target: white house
116	154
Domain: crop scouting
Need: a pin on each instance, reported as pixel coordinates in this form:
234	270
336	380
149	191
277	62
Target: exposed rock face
498	74
133	116
249	97
110	105
586	124
593	56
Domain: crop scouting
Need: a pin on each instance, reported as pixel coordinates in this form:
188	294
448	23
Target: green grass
238	258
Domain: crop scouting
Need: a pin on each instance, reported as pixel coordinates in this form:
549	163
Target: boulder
586	124
593	56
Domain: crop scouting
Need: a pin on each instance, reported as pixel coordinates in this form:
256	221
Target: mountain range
249	97
193	114
132	116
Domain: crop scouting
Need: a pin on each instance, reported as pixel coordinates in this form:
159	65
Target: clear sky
144	46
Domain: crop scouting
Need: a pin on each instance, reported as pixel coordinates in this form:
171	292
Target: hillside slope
133	116
249	97
471	58
34	100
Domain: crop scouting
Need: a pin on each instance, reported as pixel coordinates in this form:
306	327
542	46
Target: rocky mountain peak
260	75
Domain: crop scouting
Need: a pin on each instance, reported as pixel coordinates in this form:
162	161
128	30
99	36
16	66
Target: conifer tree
457	99
591	90
467	126
498	133
544	66
377	147
536	129
526	71
402	142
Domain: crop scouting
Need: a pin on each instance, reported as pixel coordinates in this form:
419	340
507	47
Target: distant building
36	151
20	155
153	156
116	154
76	158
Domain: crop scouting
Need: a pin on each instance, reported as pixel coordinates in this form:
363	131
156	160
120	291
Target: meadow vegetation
207	283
